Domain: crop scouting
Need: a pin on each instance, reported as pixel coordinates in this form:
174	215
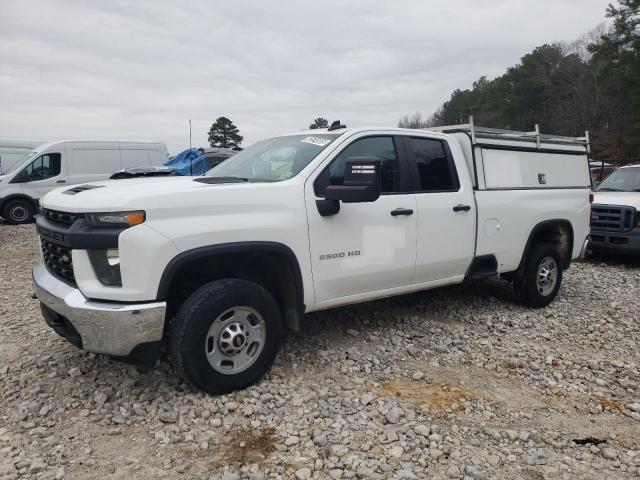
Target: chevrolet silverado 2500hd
216	267
615	214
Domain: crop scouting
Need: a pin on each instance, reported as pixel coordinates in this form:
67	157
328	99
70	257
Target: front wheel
225	336
18	212
540	281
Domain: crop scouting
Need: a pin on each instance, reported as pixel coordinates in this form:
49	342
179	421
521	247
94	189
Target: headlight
116	219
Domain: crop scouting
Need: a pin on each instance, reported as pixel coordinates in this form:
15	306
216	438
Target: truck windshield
21	161
275	159
622	180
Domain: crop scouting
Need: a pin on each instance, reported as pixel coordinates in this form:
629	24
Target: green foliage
618	56
319	123
567	89
223	133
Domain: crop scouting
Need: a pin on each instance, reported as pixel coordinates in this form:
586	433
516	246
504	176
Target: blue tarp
189	162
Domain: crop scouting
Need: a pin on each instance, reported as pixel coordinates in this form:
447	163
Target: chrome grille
612	218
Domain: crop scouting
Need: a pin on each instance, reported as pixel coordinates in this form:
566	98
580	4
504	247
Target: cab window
381	147
436	171
43	167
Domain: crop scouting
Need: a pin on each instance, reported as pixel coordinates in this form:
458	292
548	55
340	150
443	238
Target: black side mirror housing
362	183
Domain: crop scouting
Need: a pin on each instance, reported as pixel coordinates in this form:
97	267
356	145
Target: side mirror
362	183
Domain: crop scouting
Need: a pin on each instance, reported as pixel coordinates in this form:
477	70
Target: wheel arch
558	232
274	266
19	196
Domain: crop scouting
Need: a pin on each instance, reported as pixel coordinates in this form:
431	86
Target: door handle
61	181
461	208
401	211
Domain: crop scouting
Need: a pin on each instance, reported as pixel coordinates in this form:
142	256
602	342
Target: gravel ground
460	382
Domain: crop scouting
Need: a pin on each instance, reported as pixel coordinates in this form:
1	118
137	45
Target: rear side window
436	171
43	167
378	147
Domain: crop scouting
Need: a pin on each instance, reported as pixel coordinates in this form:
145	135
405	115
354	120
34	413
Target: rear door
364	248
446	213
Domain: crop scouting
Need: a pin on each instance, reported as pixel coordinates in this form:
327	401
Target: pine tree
223	133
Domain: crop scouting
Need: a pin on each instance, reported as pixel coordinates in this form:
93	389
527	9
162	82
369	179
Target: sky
125	70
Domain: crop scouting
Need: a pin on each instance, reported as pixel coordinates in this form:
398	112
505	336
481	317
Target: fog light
113	257
106	265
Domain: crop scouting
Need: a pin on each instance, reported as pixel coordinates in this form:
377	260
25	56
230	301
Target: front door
43	174
365	247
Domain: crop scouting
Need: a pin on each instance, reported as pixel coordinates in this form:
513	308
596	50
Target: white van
12	151
68	162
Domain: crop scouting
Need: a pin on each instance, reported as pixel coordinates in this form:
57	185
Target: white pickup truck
615	214
215	268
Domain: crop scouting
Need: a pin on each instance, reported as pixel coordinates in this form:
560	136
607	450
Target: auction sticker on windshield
321	142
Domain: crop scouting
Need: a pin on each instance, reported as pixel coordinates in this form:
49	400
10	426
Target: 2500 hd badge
329	256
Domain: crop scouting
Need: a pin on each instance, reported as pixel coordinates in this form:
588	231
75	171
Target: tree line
591	84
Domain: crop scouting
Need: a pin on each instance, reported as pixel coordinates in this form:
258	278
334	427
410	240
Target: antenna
335	126
190	161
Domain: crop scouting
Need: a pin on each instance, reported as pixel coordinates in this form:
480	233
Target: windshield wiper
606	189
212	180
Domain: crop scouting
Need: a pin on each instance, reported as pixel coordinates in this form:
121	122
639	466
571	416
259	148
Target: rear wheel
18	212
225	336
540	281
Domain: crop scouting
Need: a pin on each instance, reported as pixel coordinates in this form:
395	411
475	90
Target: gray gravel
460	382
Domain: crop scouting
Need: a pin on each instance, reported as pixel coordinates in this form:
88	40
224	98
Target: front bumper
622	243
98	326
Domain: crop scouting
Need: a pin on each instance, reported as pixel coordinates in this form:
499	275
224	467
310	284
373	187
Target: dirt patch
247	447
437	397
609	404
559	411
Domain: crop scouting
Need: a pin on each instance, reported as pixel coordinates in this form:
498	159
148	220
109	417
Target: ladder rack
498	134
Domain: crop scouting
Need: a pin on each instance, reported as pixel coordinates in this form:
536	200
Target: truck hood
139	194
630	199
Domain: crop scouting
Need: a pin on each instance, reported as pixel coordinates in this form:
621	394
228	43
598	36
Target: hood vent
81	188
217	180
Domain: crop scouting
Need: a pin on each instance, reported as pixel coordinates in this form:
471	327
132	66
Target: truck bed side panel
507	217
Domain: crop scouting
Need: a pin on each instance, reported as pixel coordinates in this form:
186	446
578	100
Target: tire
534	293
218	319
18	212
